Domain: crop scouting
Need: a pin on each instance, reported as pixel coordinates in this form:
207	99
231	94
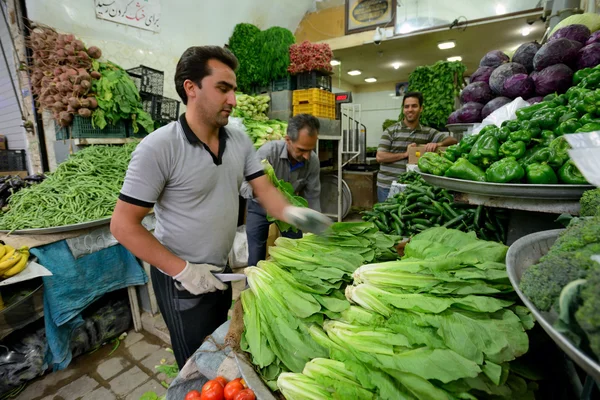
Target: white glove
306	220
198	278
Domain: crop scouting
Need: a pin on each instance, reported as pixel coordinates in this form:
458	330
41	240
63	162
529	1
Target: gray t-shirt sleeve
252	167
260	154
312	192
148	171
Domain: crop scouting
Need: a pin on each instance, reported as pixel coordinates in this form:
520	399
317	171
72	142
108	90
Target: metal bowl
458	130
524	253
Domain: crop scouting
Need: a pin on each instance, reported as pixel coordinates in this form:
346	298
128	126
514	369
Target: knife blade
230	277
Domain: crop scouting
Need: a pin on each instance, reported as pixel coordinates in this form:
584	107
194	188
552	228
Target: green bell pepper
525	113
580	75
520	136
547	118
569	126
452	153
561	147
433	163
502	134
542	155
513	149
588	119
511	125
532	127
463	169
540	174
586	104
550	97
505	170
574	93
546	138
591	127
570	174
489	129
485	151
568	115
591	81
466	144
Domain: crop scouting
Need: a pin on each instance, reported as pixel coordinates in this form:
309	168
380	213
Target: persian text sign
143	14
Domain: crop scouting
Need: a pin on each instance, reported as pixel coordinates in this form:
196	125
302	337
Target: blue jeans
382	194
257	232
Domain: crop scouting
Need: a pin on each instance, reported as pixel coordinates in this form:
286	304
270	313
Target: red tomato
246	394
233	388
221	380
212	390
193	395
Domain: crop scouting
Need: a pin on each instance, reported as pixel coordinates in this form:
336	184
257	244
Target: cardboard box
417	151
20	174
3	143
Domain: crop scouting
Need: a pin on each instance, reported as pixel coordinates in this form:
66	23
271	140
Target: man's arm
269	197
126	226
448	141
384	157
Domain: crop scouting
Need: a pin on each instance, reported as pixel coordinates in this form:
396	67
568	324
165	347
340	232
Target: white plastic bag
237	123
396	188
505	113
238	256
585	153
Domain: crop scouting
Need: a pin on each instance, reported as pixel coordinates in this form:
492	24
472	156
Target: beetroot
84	112
94	52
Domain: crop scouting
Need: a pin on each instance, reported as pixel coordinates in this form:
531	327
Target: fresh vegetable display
241	45
534	140
12	261
221	389
307	56
251	107
534	70
421	206
567	280
440	85
83	188
11	184
439	324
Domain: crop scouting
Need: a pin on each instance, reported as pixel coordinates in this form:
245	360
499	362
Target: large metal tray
458	130
59	229
514	190
521	255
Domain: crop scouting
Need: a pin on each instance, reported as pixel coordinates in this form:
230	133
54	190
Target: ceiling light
354	72
396	65
335	62
370	80
455	58
526	31
500	9
406	28
446	45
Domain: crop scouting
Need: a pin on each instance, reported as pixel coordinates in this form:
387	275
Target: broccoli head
588	314
590	203
568	260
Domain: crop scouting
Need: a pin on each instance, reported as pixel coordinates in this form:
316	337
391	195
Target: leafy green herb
440	85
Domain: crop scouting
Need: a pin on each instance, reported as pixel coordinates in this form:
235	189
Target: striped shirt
396	139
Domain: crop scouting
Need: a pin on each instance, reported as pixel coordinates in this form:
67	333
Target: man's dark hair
301	121
193	65
416	95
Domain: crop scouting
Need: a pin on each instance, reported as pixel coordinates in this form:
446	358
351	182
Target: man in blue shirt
294	161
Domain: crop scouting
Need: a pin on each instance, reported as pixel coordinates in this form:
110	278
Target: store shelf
534	205
94	141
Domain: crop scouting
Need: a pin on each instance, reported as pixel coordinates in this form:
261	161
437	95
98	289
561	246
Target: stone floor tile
112	367
129	380
132	338
101	393
154	359
141	349
150	386
77	388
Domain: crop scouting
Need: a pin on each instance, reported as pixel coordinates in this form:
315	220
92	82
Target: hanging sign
143	14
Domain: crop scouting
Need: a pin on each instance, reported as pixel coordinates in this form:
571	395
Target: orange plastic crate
313	96
318	110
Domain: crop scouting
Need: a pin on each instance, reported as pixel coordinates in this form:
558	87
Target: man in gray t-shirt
190	172
294	161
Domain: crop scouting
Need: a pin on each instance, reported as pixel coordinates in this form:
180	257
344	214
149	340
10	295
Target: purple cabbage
595	38
477	92
453	118
519	85
493	105
525	53
482	74
502	73
588	56
555	78
577	32
469	113
559	51
494	58
536	99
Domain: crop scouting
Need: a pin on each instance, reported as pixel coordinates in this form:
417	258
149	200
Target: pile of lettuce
441	323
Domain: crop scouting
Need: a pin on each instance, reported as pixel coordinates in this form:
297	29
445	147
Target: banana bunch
12	261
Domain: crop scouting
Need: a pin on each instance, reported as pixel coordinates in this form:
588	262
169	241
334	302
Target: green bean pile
83	188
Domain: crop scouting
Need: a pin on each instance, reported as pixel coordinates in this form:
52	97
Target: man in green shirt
392	153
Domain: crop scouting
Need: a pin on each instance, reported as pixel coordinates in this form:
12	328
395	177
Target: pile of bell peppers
530	149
